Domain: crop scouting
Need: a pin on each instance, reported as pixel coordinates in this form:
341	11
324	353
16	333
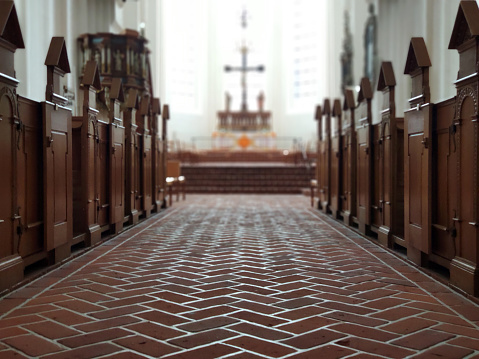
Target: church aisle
238	276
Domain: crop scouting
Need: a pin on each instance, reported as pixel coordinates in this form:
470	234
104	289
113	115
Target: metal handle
425	142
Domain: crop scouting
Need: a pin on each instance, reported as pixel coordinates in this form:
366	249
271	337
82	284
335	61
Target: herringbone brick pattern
238	277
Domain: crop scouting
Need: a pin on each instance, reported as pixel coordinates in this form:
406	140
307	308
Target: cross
244	67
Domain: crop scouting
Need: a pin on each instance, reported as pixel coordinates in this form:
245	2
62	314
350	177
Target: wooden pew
57	158
325	158
132	156
335	159
145	200
364	133
86	170
464	269
418	149
441	184
390	153
116	147
348	160
11	264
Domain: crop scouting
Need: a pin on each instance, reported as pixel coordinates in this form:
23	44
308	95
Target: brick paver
238	276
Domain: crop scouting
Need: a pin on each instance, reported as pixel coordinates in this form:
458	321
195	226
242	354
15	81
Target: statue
347	77
261	101
118	60
227	101
370	48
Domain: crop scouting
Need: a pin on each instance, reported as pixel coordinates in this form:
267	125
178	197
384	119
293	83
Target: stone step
241	178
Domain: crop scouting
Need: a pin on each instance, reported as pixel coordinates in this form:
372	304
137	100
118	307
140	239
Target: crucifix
244	67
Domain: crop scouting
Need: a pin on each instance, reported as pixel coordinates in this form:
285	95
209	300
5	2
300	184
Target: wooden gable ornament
116	92
57	66
91	83
319	113
386	84
155	106
365	90
326	107
132	101
155	111
464	38
166	112
386	76
117	97
349	103
417	66
337	108
10	37
91	76
348	109
145	106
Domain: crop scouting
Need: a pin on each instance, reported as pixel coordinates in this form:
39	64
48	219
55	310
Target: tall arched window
185	43
303	53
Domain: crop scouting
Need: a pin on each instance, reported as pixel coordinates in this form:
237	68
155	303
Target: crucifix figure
244	67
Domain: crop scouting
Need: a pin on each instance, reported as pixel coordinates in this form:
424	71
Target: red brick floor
236	276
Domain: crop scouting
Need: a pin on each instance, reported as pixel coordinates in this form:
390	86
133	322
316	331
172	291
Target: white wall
398	21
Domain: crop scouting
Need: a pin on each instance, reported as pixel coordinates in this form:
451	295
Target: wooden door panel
58	176
6	180
345	173
468	221
377	176
117	173
103	165
335	179
147	175
29	174
444	182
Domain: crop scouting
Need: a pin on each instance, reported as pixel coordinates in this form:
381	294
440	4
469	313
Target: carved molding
11	94
463	93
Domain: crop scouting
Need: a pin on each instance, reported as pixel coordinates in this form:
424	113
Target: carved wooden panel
117	173
444	181
146	188
102	164
363	176
8	143
417	184
57	166
345	173
468	221
90	171
389	165
79	207
377	176
335	160
29	174
160	176
138	172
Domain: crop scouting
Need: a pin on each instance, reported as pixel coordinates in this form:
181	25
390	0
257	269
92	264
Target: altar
244	129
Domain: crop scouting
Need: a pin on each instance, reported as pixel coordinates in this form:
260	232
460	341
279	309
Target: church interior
239	179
